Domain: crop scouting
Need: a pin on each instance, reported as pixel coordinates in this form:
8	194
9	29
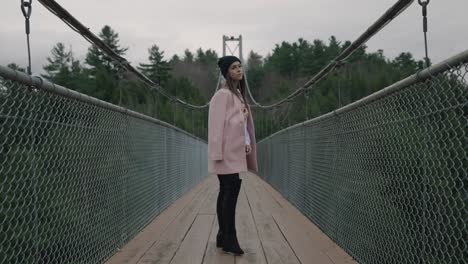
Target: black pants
227	178
229	185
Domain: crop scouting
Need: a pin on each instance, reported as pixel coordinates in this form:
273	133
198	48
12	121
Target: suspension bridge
380	180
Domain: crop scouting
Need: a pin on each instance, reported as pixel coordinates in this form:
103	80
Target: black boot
219	213
230	243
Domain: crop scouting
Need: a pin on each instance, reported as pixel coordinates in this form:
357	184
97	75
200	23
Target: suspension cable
26	8
77	26
73	23
424	5
383	21
306	96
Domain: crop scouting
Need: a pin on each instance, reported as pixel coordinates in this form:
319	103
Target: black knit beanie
225	62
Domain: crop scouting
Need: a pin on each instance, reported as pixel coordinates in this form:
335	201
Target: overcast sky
177	25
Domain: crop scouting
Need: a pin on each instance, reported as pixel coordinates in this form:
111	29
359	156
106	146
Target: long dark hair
230	83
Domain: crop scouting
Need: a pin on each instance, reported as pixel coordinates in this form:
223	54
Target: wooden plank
307	240
296	240
194	244
269	229
321	240
338	255
136	248
247	233
213	255
275	246
163	250
209	206
306	250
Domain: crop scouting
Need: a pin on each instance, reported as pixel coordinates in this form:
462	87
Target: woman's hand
248	149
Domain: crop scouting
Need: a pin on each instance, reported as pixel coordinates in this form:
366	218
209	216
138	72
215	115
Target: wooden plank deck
269	229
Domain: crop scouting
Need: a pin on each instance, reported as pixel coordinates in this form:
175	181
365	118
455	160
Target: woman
231	148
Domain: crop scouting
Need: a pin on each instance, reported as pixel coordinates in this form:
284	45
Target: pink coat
226	135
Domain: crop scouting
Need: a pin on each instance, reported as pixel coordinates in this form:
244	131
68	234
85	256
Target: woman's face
235	71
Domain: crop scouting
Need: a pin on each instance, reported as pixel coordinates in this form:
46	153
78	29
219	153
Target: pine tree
208	58
406	63
284	60
157	69
97	59
333	49
208	62
254	59
188	56
175	59
16	67
59	64
255	73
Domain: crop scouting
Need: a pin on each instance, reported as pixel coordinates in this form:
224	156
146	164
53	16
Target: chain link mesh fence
385	177
78	179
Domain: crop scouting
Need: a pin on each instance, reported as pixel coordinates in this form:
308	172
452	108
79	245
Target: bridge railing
80	177
385	177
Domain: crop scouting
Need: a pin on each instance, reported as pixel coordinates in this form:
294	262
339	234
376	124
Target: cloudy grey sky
177	25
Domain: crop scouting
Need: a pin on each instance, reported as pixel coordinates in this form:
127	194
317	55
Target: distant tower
238	47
